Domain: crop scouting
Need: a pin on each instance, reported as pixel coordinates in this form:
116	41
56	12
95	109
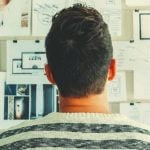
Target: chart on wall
25	62
15	17
42	13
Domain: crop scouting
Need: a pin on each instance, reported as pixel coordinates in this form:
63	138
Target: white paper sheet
110	9
103	4
138	2
15	18
42	13
39	101
141	23
124	52
132	56
113	17
117	88
112	14
136	111
21	75
141	85
108	4
145	26
2	88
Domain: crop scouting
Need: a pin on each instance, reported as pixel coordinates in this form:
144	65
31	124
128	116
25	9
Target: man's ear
49	74
112	70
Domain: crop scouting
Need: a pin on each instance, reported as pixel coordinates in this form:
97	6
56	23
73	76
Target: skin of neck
96	103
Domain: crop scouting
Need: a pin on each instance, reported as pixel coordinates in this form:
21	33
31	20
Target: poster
42	12
26	60
15	17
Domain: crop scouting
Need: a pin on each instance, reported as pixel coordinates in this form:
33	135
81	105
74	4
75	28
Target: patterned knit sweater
77	131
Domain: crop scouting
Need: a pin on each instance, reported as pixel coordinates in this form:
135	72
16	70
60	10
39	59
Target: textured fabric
77	131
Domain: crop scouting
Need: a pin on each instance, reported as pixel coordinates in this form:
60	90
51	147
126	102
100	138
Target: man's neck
92	104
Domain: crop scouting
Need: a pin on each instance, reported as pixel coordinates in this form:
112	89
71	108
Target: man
79	53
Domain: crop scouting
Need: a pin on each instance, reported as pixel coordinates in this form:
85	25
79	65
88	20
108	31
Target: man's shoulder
85	130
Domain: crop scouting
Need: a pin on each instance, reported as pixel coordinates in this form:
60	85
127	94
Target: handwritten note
132	55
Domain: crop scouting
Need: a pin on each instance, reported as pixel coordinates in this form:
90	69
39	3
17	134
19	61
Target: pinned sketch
117	88
42	13
141	84
113	17
15	17
137	2
132	55
112	14
141	23
25	62
136	111
124	52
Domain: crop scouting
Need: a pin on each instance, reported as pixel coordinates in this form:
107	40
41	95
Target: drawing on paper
45	12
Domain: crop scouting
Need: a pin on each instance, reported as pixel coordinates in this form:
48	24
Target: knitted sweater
77	130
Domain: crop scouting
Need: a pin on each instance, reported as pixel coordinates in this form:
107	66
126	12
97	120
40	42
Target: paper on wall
113	17
39	101
137	2
2	87
110	10
117	88
124	53
107	4
141	84
136	111
15	18
42	13
132	55
18	75
141	22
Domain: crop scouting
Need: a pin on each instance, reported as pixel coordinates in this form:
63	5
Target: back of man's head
79	51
